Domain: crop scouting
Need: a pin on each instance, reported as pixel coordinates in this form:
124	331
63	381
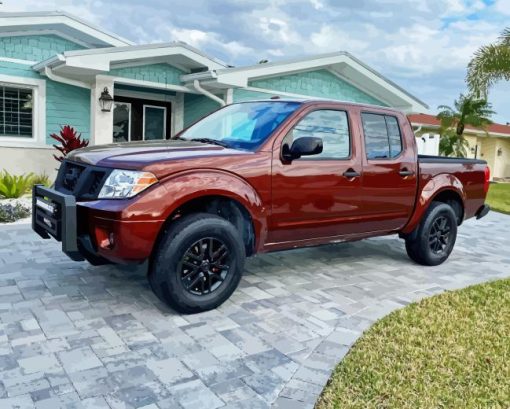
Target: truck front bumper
93	228
54	215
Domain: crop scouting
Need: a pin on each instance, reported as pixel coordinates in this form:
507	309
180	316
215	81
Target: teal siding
196	107
35	47
162	73
67	105
320	83
244	95
18	70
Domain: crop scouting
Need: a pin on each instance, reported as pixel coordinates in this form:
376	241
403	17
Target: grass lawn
448	351
499	197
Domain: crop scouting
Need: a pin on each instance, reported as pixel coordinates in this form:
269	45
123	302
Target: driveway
77	336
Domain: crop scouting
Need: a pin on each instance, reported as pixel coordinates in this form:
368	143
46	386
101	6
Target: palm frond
490	64
505	37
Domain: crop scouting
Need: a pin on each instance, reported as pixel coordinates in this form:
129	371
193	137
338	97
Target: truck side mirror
304	146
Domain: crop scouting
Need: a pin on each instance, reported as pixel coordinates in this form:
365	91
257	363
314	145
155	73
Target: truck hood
137	155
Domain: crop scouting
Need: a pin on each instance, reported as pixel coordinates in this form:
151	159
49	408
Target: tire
435	237
194	247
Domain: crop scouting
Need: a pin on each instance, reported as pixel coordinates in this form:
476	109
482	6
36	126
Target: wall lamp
106	100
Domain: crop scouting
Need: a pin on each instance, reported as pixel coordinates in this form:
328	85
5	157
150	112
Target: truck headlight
122	184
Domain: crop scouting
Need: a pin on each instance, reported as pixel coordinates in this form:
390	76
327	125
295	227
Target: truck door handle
351	173
406	172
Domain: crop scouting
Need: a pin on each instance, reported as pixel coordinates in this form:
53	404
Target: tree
466	111
491	63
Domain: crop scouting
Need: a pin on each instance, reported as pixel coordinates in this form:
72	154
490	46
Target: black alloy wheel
204	266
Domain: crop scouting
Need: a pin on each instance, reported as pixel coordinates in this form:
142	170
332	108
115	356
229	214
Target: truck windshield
244	126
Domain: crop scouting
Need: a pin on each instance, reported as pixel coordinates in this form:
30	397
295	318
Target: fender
430	190
191	184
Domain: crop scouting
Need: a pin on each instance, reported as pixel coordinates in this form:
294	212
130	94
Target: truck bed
468	175
446	159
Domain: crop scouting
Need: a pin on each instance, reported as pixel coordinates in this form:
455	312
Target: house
492	146
55	67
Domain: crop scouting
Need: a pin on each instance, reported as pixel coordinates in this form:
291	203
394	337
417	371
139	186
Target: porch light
106	100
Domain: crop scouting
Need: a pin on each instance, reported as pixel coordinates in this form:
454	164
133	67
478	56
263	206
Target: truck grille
81	180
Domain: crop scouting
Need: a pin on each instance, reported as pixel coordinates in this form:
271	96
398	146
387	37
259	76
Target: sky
422	45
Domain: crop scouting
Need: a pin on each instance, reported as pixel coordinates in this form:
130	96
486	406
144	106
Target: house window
16	112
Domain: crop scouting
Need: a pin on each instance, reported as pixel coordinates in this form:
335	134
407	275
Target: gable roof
59	23
342	64
101	60
431	121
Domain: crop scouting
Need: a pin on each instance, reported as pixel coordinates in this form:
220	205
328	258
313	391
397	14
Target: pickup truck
256	177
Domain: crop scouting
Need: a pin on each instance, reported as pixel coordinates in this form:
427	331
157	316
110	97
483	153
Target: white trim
129	122
176	101
164	123
18	61
350	68
44	32
38	87
146	84
54	77
144	95
148	61
58	18
100	59
229	96
208	94
135	52
177	114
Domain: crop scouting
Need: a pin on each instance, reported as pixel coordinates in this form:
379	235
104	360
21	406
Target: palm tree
466	111
490	64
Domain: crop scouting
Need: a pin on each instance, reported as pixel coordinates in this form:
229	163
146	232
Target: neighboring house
54	68
492	146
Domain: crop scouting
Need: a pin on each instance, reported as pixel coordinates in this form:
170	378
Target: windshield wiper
211	141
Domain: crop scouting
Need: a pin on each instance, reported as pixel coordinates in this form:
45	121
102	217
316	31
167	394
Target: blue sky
423	45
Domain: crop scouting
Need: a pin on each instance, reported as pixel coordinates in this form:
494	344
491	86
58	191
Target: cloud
502	6
423	45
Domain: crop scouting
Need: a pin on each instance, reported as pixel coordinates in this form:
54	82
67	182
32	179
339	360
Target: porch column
178	113
101	122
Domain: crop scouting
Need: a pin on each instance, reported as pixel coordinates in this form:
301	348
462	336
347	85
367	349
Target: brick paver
77	336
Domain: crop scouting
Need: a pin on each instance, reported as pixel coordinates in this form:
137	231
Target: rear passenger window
329	125
382	136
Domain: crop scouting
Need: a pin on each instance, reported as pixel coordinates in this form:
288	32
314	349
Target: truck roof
321	100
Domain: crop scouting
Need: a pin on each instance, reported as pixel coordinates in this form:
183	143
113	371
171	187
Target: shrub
69	140
10	212
14	186
42	179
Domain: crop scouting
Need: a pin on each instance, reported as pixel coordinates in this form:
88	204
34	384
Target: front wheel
198	263
435	237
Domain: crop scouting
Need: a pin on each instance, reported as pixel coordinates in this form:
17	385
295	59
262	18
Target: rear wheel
433	242
198	263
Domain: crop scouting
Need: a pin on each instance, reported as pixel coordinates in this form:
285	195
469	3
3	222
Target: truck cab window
383	139
331	126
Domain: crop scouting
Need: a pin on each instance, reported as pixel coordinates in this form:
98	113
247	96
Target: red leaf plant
69	140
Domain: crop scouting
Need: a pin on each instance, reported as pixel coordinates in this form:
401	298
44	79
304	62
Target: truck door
389	171
317	196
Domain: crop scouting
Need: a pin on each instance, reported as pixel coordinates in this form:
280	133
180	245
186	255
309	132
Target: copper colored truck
255	177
